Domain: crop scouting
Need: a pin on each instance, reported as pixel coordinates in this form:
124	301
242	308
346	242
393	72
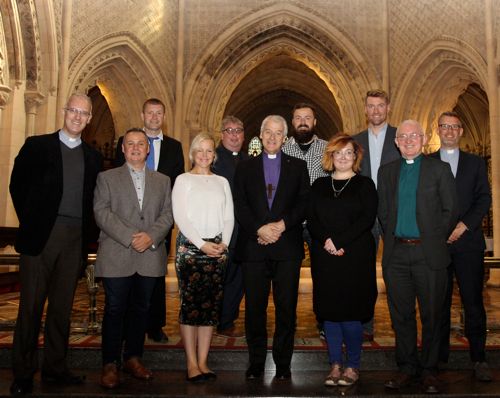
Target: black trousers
157	317
258	277
233	293
52	275
468	268
408	279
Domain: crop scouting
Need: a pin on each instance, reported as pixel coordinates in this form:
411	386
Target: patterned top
312	157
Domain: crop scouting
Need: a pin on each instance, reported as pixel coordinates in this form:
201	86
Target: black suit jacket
171	162
390	151
474	200
36	187
437	209
252	210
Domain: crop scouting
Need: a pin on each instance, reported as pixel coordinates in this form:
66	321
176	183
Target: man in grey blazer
418	209
132	206
379	147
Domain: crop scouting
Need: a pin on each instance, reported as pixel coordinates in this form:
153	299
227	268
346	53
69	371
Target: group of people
242	226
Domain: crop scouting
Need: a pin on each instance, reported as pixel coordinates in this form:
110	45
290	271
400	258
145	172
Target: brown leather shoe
109	376
400	380
134	367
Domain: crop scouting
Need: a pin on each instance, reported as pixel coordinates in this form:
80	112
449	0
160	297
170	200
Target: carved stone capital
4	95
32	99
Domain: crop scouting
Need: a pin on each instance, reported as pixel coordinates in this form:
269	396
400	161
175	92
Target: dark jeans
126	306
349	333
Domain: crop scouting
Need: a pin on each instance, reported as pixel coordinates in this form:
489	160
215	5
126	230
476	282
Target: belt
408	241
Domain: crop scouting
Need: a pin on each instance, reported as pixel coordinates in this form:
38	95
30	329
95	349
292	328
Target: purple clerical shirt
272	168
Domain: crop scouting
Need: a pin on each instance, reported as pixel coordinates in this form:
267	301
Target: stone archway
435	79
264	36
126	76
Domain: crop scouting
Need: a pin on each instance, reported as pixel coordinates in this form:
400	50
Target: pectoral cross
270	190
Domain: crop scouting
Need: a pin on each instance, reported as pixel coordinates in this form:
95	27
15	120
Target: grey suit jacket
119	216
437	209
390	151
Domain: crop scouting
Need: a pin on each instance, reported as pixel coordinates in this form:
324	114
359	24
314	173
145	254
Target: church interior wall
245	57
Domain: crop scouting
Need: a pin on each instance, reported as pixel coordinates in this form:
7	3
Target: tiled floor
306	324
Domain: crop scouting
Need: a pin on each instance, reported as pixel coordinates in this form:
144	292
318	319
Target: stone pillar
12	137
179	126
492	90
62	84
32	99
386	84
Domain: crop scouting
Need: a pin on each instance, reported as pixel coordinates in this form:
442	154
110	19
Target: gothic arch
270	32
125	73
437	76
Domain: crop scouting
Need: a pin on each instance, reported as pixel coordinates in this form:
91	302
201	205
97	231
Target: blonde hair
195	144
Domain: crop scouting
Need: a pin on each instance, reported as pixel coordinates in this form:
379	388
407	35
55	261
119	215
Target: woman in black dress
342	212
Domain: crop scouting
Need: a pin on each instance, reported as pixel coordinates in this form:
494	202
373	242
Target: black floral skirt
201	283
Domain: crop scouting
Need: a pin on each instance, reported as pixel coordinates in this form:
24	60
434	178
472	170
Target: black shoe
209	376
196	379
21	387
400	380
431	384
254	371
283	373
158	336
66	378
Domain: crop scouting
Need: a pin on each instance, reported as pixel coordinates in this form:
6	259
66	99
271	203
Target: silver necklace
337	192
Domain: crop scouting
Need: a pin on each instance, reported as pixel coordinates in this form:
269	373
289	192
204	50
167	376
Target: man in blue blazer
165	156
417	212
466	242
52	186
270	198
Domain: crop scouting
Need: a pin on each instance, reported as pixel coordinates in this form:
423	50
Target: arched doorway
100	132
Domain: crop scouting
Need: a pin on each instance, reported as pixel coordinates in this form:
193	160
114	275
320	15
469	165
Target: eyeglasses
74	111
235	131
349	154
445	126
411	137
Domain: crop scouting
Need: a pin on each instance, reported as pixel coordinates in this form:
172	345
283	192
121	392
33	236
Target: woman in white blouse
203	210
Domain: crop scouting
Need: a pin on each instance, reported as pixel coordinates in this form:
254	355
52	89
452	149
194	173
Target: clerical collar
450	151
414	160
70	142
272	156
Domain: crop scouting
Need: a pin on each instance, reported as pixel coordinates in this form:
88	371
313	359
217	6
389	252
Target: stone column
32	99
62	84
386	84
492	90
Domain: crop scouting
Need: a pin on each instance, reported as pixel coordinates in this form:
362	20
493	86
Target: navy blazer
171	162
390	151
252	209
437	209
36	187
474	200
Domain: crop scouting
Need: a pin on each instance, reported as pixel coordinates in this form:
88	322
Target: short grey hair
276	119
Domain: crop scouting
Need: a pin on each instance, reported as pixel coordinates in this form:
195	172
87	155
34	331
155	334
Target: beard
303	136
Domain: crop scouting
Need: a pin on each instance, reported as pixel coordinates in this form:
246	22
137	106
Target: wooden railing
92	326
